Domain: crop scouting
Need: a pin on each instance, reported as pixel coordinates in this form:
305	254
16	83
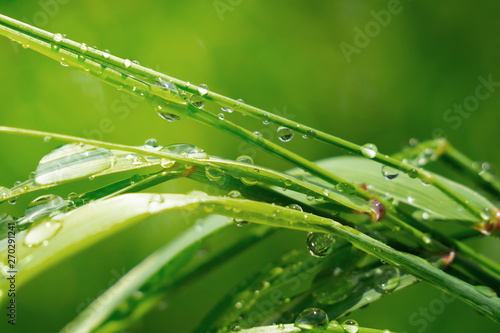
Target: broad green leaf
403	188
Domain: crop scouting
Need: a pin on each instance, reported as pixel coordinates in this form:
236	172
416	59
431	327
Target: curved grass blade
77	232
237	169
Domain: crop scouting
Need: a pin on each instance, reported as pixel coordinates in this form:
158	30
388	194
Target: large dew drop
319	244
311	318
386	279
350	326
41	233
185	149
45	205
285	134
369	150
167	101
389	173
245	159
72	161
197	101
203	89
213	174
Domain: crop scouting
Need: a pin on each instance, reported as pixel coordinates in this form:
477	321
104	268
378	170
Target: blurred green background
280	55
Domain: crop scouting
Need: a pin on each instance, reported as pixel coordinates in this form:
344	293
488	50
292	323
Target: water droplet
486	291
238	305
389	173
413	142
47	138
386	279
135	62
138	159
248	181
151	143
369	150
106	54
334	324
83	47
240	223
311	134
25	46
346	188
378	210
72	161
319	244
285	134
226	109
45	205
426	238
486	213
234	194
41	233
155	203
257	134
168	116
5	192
238	103
350	326
213	174
413	173
421	215
58	38
127	63
203	89
295	207
166	163
221	116
185	149
197	101
311	318
245	159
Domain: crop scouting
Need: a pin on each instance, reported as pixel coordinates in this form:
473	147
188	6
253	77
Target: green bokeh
277	55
